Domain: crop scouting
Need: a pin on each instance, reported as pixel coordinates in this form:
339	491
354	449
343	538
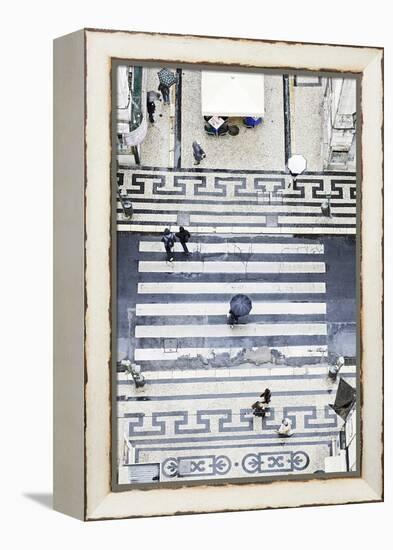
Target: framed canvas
218	274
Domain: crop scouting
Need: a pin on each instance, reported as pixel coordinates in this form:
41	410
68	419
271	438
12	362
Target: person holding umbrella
166	79
240	305
164	89
296	166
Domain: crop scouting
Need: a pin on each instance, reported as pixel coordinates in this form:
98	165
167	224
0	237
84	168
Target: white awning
233	94
123	88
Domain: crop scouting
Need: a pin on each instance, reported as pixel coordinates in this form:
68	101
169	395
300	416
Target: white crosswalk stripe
221	308
220	331
231	288
238	247
161	354
231	267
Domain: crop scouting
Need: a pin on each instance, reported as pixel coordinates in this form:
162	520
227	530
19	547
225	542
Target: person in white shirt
285	429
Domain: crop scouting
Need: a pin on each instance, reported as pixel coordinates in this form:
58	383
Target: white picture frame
82	334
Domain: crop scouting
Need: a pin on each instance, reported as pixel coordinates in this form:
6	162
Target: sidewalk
306	105
158	143
261	148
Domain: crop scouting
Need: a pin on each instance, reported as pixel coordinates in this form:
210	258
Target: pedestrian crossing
181	307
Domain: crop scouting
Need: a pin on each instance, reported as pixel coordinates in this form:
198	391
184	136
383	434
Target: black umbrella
240	305
167	77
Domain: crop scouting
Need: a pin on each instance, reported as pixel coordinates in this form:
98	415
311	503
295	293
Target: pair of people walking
260	406
169	240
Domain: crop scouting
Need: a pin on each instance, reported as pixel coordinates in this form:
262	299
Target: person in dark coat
169	240
165	92
232	318
266	396
184	236
198	152
259	408
151	108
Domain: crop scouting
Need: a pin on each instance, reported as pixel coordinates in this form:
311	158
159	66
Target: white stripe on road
159	354
222	230
237	208
226	218
231	267
221	308
170	218
316	220
231	288
238	248
220	331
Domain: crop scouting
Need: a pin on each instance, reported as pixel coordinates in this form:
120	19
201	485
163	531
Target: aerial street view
236	279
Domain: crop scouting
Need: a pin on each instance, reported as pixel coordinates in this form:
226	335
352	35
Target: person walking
266	396
335	369
169	240
259	408
285	430
239	306
232	318
325	208
198	152
184	236
151	108
164	89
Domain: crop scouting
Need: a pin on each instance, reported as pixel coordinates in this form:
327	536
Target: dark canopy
345	399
